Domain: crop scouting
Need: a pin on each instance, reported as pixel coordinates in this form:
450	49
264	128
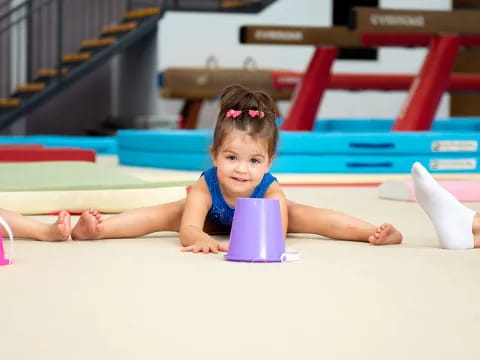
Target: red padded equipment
19	154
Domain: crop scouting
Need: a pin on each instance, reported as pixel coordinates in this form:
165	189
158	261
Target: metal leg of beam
429	85
310	90
190	113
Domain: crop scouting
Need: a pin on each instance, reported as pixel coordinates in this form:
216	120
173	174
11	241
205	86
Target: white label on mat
454	145
457	164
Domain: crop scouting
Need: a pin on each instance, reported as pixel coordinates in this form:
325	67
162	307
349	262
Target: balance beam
463	83
299	35
374	20
378	27
192	83
198	84
371	27
340	36
204	83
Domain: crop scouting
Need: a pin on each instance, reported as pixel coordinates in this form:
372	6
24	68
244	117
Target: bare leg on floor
129	224
336	225
26	227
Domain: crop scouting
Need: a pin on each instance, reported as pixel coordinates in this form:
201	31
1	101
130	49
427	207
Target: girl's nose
241	166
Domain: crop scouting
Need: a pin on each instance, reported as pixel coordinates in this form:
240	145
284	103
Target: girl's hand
206	246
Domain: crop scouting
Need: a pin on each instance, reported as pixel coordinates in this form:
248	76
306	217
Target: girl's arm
192	236
275	192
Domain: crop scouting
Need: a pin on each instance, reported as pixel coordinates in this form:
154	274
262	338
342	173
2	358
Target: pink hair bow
233	113
254	113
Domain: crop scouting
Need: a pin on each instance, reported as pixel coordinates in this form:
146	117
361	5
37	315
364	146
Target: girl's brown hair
237	97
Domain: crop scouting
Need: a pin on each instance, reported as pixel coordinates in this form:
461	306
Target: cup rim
244	259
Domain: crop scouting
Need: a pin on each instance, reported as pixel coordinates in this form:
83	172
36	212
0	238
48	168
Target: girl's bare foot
385	234
89	226
59	230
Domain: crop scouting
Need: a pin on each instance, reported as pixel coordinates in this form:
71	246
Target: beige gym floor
144	299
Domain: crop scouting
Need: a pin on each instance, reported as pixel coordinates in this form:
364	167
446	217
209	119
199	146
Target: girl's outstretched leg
25	227
336	225
129	224
456	225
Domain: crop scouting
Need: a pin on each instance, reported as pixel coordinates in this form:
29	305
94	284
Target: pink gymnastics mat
463	190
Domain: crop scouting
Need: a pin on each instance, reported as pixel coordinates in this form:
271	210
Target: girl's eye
254	161
231	157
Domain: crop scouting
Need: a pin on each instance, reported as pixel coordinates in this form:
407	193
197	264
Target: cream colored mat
45	187
105	201
144	299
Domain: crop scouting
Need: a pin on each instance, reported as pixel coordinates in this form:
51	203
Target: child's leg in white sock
452	221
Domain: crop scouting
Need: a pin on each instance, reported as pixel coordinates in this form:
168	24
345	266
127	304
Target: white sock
452	220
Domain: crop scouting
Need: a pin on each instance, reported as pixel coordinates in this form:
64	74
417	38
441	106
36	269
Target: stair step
76	57
47	73
9	102
120	28
30	87
231	4
96	43
141	13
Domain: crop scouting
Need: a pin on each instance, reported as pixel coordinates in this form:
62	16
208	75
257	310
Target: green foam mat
59	175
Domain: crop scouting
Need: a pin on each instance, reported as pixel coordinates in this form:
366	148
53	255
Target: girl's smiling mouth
239	179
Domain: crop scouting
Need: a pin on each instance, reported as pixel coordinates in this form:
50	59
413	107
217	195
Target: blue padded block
373	164
166	140
375	143
312	152
384	125
303	163
101	145
165	160
197	141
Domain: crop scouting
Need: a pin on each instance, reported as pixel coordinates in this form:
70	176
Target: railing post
29	54
59	37
129	4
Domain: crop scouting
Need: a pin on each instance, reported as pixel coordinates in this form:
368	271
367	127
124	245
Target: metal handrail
15	9
27	14
5	3
77	72
38	36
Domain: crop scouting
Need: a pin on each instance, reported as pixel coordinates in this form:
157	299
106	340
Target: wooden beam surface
203	83
374	20
299	35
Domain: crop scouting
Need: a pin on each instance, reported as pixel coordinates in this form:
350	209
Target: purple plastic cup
257	233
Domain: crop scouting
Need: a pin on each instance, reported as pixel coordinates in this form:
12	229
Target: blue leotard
220	212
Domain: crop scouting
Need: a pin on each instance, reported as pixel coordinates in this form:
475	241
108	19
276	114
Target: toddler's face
241	162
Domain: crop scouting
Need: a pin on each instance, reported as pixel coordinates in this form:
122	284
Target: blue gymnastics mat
101	145
453	124
312	152
198	141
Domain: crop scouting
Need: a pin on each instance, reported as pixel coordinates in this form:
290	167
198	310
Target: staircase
51	60
54	54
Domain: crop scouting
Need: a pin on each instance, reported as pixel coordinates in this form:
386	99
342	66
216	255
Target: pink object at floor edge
462	190
3	260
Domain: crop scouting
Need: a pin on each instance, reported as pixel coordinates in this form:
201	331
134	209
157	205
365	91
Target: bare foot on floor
385	234
59	230
89	226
